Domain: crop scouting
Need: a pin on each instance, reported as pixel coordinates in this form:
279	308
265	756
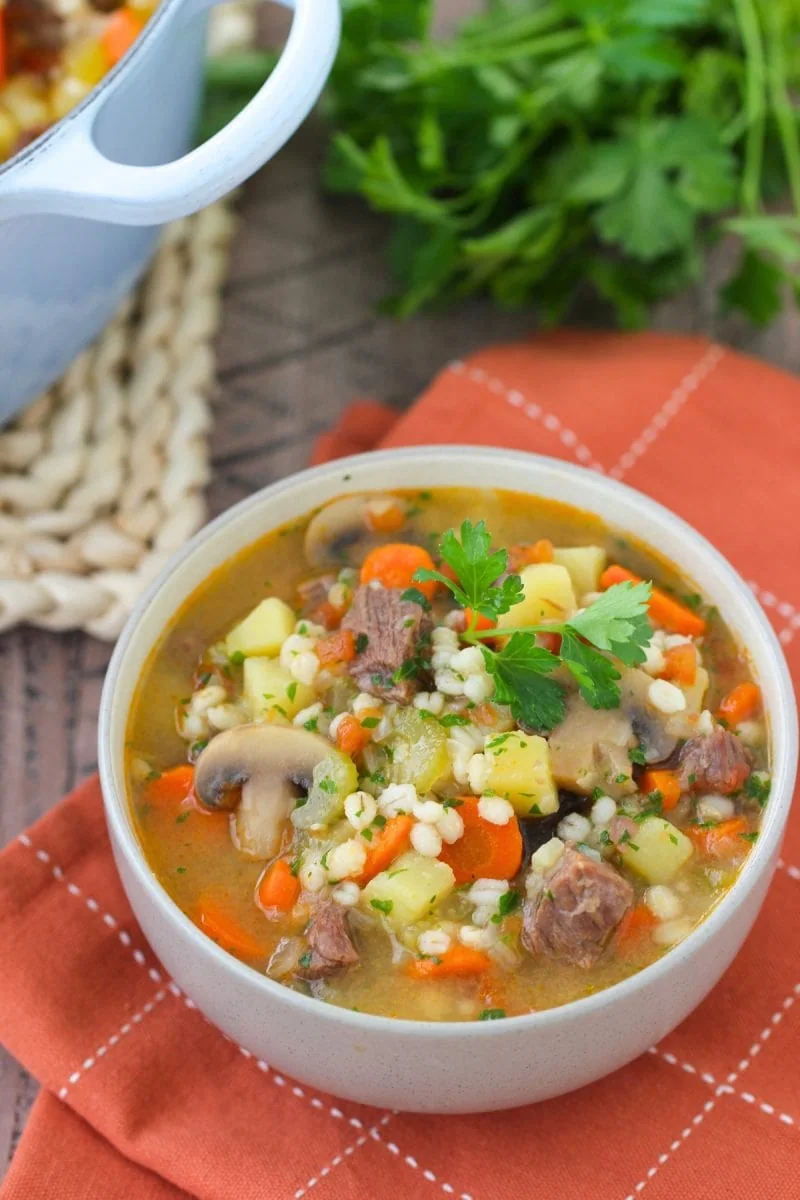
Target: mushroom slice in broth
259	771
343	532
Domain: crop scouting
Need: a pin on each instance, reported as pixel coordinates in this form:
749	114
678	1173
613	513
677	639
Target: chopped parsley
237	658
384	906
295	864
508	902
451	719
327	785
637	756
183	817
200	745
181	870
305	959
413	595
367	834
452	802
291	690
756	788
492	1014
749	837
362	641
311	724
370	722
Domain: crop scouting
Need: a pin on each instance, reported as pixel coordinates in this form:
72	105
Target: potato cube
409	889
520	771
549	596
585	565
263	631
657	851
270	691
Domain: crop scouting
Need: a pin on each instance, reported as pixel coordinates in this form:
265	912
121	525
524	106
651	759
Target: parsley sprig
614	627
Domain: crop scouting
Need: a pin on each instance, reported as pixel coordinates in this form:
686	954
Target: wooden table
300	338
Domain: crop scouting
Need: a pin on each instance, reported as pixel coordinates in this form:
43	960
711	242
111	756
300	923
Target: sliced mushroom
258	771
342	534
589	749
649	725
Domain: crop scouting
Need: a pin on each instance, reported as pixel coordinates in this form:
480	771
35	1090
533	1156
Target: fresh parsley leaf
637	756
384	906
492	1014
617	622
508	902
451	719
477	568
521	672
595	675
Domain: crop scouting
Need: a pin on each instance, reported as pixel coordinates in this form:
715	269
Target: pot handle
71	177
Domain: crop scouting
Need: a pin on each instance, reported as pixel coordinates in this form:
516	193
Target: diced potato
411	888
520	771
682	724
419	750
332	782
25	97
657	850
263	631
271	691
585	565
549	596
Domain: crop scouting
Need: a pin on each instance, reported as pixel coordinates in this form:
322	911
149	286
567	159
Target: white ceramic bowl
427	1066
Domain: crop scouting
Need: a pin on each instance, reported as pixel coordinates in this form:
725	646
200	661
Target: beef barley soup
447	755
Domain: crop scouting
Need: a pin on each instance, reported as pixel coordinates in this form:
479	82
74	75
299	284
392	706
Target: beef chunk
580	905
393	629
37	24
330	945
714	762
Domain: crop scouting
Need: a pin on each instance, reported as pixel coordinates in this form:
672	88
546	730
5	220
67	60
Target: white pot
427	1066
80	209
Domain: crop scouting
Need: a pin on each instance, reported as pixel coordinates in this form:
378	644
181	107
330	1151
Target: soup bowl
81	208
420	1065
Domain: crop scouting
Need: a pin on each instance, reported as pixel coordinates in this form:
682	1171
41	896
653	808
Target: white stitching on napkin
93	906
669	409
533	411
112	1041
338	1159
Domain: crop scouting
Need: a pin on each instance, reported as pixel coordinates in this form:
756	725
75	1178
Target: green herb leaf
595	675
384	906
492	1014
617	622
415	596
521	673
477	567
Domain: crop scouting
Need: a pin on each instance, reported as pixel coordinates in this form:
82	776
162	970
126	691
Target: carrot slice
224	929
484	851
338	647
394	566
680	664
664	609
482	622
171	788
278	889
524	553
457	962
665	782
351	736
121	31
392	841
637	924
720	841
740	703
387	520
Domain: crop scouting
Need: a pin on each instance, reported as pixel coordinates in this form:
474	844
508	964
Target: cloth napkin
143	1098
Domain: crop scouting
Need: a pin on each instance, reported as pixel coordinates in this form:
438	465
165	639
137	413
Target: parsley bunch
552	148
615	624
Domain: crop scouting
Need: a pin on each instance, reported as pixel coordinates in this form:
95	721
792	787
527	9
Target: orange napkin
143	1098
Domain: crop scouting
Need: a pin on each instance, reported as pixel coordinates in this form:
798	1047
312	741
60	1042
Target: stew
447	755
52	53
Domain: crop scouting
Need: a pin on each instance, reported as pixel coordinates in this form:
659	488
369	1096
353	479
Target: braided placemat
102	478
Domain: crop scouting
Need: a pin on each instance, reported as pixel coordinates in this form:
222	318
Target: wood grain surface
300	339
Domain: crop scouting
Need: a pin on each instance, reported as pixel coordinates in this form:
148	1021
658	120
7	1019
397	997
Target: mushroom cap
258	771
340	533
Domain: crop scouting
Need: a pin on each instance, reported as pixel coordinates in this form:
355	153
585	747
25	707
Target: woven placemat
102	478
